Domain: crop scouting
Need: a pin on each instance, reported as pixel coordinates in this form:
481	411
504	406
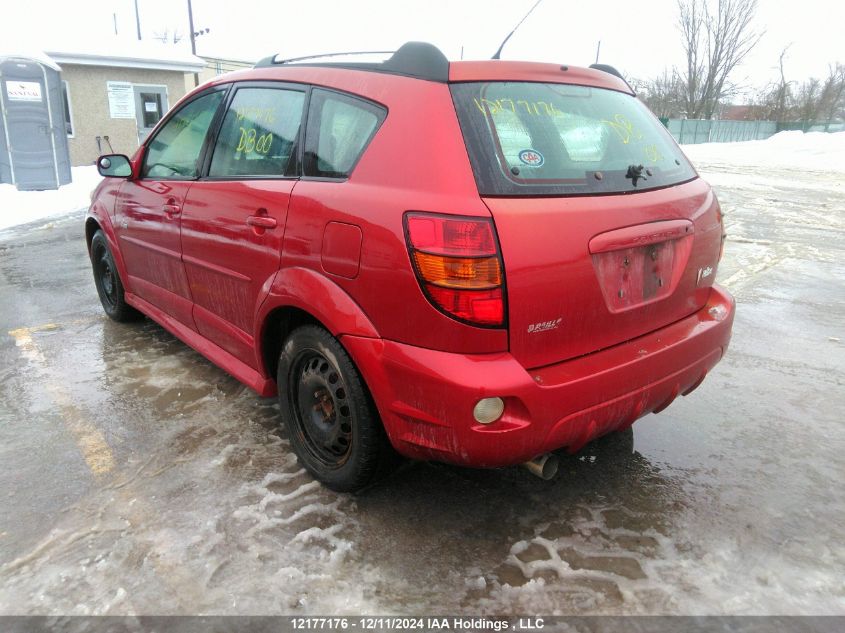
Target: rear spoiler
610	70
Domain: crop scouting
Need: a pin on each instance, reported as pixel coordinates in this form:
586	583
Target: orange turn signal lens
459	272
458	265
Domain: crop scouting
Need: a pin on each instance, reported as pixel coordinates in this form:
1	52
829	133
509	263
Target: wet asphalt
137	478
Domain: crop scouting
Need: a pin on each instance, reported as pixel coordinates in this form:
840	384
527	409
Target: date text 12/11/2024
395	623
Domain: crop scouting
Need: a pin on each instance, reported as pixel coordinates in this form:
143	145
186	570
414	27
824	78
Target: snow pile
814	151
21	207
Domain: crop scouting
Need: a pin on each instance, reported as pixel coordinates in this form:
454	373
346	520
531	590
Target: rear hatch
606	232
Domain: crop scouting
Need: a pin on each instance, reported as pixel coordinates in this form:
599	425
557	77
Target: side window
339	130
175	150
259	133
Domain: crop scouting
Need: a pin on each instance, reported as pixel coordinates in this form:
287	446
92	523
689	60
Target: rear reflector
488	410
484	307
458	265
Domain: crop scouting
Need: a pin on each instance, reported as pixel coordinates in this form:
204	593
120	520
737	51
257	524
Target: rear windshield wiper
635	173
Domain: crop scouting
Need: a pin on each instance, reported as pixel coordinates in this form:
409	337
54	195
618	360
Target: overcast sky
639	38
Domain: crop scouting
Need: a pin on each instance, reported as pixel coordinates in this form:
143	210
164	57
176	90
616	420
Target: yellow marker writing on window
652	153
533	108
624	128
250	141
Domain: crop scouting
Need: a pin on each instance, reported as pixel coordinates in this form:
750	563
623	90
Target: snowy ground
786	151
139	478
22	207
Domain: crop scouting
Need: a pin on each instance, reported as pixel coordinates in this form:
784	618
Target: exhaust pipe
544	466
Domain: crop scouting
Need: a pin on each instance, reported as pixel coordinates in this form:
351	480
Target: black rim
321	408
106	279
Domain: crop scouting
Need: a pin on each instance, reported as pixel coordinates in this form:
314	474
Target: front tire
332	422
107	280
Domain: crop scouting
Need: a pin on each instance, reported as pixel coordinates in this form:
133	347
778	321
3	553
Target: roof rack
322	55
413	59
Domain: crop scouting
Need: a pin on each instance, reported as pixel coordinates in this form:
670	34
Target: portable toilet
33	140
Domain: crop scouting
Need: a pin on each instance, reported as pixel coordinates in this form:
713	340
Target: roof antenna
505	41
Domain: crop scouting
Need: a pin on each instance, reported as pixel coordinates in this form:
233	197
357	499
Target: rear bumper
426	397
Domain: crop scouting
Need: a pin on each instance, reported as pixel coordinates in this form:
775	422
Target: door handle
171	210
263	221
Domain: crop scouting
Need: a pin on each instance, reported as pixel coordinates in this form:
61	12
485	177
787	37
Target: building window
68	110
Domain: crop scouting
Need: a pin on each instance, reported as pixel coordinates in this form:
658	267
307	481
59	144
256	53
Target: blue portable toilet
33	141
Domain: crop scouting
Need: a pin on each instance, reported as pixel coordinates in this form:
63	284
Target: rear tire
332	422
107	280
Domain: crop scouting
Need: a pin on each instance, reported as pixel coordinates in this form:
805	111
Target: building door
150	106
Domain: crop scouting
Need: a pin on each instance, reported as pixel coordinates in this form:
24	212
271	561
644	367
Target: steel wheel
104	276
108	283
332	422
322	411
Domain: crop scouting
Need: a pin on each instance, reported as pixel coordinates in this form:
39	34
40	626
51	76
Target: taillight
458	265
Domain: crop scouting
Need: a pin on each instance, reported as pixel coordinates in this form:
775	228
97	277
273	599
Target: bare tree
781	96
717	35
812	101
832	96
807	100
775	101
664	94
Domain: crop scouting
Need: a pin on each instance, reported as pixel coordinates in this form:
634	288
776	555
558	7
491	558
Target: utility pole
193	38
137	19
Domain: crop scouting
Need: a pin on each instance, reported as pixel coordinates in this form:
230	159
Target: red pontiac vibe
471	262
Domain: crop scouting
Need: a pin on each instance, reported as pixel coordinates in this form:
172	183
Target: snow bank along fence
691	131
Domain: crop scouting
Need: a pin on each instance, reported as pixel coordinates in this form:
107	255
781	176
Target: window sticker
532	158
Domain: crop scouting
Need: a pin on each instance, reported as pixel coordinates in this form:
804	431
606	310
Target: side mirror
114	166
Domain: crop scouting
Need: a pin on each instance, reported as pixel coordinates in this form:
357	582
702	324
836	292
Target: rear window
529	139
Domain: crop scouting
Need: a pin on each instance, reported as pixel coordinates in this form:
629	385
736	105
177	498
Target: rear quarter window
338	131
558	139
